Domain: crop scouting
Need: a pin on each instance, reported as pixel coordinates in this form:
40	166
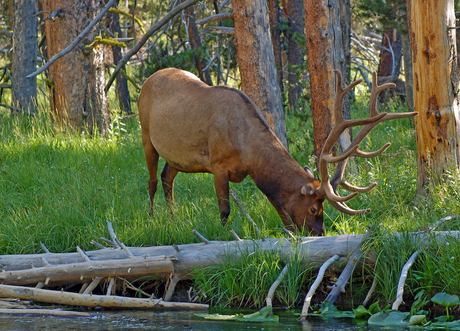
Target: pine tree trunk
256	62
274	8
113	20
294	13
325	54
408	72
195	44
434	56
78	99
24	55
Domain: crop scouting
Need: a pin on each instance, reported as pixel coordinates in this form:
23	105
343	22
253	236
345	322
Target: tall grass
60	189
245	282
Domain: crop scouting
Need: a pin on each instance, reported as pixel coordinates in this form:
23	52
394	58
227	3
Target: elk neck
277	174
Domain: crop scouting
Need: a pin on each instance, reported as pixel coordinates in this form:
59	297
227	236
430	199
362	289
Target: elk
219	130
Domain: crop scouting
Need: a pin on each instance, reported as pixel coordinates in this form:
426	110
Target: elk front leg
222	191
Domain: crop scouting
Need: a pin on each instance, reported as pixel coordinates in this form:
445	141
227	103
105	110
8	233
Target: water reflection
165	320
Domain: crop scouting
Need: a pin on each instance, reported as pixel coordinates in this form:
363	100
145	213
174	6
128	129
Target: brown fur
219	130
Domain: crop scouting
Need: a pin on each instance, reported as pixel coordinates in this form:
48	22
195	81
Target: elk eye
313	210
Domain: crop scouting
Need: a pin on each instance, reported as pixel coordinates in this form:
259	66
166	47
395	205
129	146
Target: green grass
245	282
60	189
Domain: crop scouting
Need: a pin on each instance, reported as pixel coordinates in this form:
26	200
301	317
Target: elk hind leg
151	156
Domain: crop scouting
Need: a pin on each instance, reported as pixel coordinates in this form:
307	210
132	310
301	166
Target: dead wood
76	273
182	259
339	286
88	300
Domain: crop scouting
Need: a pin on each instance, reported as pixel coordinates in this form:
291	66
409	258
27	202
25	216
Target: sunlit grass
60	188
245	282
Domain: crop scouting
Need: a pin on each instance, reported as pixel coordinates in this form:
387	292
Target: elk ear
309	172
307	190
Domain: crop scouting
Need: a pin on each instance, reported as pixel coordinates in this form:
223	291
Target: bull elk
219	130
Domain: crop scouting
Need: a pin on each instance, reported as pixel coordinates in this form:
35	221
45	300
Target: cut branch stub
328	187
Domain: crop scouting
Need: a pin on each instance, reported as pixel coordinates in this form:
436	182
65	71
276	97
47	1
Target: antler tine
346	185
376	90
341	93
347	210
371	154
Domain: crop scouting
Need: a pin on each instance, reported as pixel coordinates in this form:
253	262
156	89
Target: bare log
83	272
181	260
271	291
402	281
315	285
88	300
315	250
339	286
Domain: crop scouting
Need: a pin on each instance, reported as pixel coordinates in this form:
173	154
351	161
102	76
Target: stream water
166	320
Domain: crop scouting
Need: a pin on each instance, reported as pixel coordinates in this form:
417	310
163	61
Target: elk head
328	188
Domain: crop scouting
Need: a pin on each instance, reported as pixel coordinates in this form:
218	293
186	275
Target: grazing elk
198	128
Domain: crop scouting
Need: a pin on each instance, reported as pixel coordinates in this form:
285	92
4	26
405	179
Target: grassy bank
60	189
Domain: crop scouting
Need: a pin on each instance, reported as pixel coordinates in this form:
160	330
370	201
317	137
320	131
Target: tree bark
78	99
345	24
434	55
408	71
195	44
390	58
325	53
294	14
113	20
24	55
274	11
256	62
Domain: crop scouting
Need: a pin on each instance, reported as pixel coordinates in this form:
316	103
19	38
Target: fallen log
23	270
75	273
92	301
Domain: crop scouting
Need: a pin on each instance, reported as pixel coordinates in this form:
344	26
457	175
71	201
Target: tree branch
215	18
146	37
76	41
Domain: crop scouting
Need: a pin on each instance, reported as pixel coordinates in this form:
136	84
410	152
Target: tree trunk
195	44
390	58
387	60
274	9
256	62
345	24
325	53
408	72
434	56
24	55
78	99
294	13
113	23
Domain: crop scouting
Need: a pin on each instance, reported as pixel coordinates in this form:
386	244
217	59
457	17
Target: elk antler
329	187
